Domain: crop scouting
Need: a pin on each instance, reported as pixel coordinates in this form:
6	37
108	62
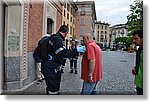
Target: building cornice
13	2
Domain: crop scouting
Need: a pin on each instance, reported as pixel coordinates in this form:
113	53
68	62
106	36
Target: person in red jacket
91	66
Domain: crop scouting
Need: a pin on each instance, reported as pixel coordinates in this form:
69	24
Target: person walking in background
51	66
137	71
73	60
91	66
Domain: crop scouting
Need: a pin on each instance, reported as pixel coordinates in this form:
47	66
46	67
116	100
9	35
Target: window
70	30
105	27
64	13
114	33
102	26
71	11
64	3
122	32
81	31
102	36
68	27
68	16
64	23
101	40
118	31
68	7
49	26
82	21
71	19
98	37
82	12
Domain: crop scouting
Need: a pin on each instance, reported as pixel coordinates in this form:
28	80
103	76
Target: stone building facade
68	18
85	18
118	30
102	33
24	22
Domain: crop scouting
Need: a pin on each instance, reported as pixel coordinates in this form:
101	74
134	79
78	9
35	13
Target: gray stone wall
13	73
1	43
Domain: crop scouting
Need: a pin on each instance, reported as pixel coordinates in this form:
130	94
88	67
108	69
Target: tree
135	19
117	40
127	41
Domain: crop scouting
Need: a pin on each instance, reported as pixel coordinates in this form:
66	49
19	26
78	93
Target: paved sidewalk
36	88
67	86
117	78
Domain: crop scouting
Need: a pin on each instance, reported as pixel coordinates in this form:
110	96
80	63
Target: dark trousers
139	91
52	78
73	63
64	62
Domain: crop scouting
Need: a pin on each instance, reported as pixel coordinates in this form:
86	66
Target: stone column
16	44
12	48
1	44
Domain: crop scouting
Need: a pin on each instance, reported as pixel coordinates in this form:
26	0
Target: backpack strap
52	38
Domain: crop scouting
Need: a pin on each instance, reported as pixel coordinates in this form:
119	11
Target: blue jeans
89	88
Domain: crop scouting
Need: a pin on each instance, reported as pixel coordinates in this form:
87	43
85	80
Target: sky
112	11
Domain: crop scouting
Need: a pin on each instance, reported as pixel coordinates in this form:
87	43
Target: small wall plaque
13	43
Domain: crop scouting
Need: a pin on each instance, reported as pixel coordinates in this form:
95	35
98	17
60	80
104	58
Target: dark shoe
40	80
94	93
76	72
71	71
62	71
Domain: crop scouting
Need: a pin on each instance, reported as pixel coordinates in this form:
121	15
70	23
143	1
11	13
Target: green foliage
118	39
127	41
123	39
135	19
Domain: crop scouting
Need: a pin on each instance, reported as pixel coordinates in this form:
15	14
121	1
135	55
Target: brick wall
59	14
35	24
59	20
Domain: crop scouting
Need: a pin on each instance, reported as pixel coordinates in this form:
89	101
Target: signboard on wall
13	43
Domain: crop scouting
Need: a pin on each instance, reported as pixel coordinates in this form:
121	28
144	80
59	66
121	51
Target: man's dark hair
63	29
73	39
139	33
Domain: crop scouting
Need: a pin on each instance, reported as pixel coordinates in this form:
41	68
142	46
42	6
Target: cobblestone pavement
117	78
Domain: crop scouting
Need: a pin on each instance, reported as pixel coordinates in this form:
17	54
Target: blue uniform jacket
59	51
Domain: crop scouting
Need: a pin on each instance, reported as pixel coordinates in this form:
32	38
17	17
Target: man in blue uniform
51	66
